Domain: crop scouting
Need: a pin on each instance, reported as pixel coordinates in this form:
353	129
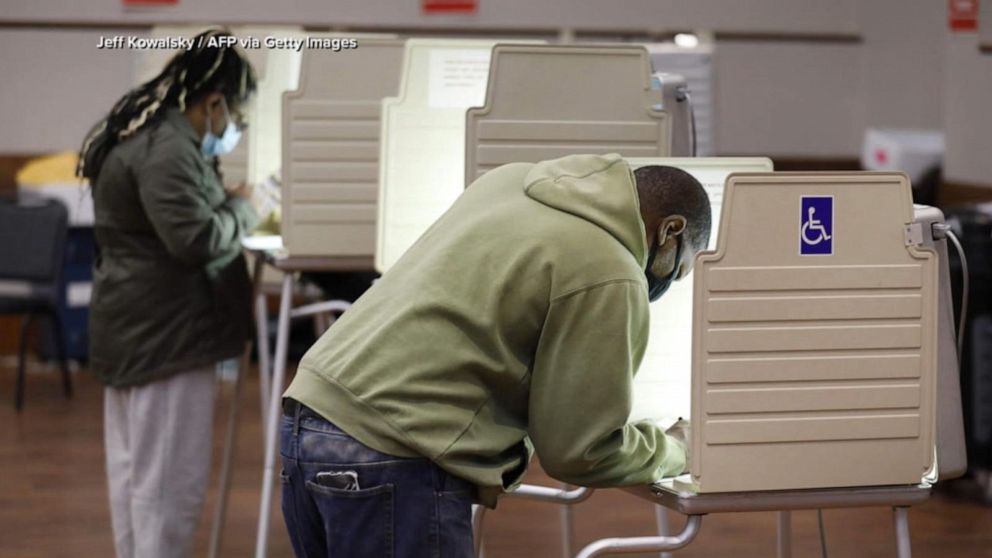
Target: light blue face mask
212	145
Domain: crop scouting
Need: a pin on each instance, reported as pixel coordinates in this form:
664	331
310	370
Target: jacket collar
179	121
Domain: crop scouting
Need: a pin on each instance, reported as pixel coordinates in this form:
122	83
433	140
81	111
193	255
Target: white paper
262	243
458	78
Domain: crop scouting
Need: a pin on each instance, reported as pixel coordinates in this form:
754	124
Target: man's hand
681	432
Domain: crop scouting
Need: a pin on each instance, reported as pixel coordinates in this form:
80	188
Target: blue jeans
342	499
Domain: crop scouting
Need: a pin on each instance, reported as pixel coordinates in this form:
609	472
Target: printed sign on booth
816	230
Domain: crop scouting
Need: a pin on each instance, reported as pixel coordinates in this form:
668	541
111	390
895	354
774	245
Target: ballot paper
663	384
266	197
458	77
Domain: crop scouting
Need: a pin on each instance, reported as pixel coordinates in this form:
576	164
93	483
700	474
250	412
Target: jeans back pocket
358	523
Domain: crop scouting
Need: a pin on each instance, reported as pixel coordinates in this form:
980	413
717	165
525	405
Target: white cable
964	290
692	121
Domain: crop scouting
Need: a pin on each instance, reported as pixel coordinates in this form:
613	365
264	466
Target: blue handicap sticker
816	232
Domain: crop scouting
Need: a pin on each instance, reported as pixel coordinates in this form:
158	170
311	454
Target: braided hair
190	74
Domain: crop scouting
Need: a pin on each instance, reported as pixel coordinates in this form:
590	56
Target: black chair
32	246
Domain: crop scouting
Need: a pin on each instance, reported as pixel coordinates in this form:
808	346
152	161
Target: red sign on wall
963	15
449	6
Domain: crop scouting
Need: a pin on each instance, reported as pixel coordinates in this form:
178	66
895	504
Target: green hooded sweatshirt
517	320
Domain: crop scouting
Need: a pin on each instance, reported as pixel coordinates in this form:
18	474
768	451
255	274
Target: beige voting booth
276	70
549	101
820	376
330	148
423	130
814	342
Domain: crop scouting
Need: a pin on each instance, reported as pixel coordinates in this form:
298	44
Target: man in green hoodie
515	323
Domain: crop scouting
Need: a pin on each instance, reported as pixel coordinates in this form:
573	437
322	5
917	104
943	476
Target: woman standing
171	292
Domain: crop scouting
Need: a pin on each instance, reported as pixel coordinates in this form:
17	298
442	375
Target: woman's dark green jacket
171	290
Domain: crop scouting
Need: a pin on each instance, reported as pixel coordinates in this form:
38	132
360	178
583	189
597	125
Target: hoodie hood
597	188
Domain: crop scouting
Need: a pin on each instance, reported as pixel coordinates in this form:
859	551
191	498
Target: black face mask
658	285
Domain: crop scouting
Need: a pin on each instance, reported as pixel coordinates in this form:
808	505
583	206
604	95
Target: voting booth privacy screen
814	337
330	148
423	129
545	102
662	387
466	107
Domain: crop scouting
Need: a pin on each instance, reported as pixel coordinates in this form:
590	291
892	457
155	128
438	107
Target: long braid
146	103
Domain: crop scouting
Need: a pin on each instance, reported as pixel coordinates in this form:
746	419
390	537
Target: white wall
787	16
903	63
968	111
790	98
55	86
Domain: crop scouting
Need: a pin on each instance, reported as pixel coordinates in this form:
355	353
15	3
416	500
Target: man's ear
671	226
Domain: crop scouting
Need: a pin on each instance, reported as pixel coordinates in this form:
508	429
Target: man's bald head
667	191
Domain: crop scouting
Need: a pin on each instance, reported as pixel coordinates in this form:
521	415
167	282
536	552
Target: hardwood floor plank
53	499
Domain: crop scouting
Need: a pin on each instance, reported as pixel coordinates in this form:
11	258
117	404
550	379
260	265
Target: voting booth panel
330	148
423	131
277	71
548	101
663	384
814	361
952	458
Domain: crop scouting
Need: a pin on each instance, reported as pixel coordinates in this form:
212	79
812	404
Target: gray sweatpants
157	438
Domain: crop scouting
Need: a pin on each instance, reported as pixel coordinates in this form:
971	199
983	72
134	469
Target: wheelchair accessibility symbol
816	231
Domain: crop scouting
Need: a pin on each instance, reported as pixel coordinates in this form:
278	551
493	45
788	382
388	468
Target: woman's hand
242	190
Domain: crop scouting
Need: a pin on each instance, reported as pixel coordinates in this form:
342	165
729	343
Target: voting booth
824	366
433	148
256	156
423	130
814	337
330	148
277	71
808	346
549	101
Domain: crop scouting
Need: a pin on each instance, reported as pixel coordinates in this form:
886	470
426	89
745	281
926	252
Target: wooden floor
53	498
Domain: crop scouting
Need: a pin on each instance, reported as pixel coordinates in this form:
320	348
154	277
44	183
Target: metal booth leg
664	526
231	434
567	517
262	339
630	545
273	414
784	534
900	516
478	514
